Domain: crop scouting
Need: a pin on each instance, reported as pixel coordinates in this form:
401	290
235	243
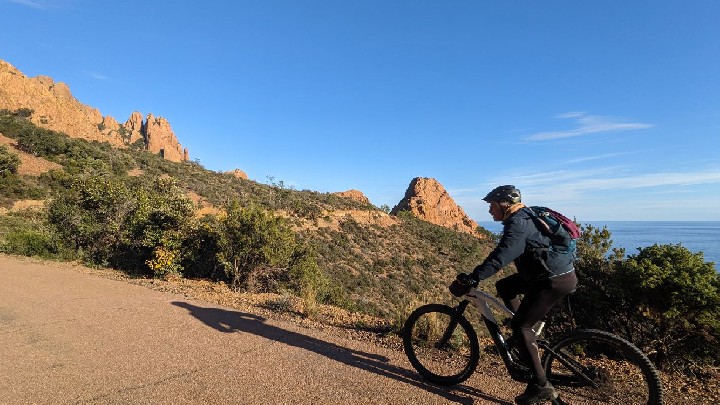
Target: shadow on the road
235	321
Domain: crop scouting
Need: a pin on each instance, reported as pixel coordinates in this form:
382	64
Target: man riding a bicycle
544	277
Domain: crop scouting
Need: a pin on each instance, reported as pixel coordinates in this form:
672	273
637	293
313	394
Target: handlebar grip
459	289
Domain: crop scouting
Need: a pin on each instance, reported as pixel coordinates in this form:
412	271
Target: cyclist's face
496	211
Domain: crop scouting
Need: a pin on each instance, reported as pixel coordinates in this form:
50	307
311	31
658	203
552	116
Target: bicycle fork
457	313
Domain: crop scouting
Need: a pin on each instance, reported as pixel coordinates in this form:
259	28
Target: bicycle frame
485	302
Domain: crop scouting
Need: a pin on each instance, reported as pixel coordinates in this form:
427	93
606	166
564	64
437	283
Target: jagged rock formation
427	199
134	128
159	138
356	195
55	108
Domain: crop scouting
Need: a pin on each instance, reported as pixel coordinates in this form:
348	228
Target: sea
696	236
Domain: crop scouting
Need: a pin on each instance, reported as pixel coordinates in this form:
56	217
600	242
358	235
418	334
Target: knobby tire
618	370
456	359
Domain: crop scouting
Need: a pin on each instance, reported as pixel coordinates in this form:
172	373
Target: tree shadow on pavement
228	321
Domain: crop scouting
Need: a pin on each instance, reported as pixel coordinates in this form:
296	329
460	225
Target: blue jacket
522	243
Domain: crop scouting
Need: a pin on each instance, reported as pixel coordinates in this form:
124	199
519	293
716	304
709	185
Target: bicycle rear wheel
600	367
441	346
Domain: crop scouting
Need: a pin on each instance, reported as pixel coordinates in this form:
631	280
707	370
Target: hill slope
375	263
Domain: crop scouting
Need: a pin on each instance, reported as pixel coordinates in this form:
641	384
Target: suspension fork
457	313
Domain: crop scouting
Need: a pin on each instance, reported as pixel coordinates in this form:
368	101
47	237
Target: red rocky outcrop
55	108
427	199
356	195
159	138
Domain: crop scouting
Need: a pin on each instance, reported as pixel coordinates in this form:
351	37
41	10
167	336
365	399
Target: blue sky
602	110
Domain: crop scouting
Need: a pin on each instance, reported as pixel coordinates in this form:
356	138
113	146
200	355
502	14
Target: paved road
70	337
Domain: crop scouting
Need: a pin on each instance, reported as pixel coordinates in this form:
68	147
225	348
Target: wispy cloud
44	4
587	124
96	75
30	3
651	180
599	179
596	157
614	193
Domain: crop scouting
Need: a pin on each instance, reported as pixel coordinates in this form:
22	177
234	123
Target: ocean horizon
696	236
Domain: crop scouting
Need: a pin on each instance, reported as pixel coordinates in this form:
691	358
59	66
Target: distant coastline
696	236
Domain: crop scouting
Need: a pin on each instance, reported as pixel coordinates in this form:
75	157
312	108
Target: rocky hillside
51	105
428	200
375	263
54	107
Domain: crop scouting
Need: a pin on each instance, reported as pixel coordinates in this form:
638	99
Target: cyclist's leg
535	304
509	288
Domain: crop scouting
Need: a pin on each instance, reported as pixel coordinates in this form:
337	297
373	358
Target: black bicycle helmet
505	193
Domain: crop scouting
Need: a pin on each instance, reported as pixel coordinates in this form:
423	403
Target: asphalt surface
70	337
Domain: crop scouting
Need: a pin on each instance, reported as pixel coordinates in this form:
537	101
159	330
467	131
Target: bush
200	249
251	239
671	302
24	112
29	243
308	281
42	142
9	162
165	261
254	250
665	299
24	233
123	222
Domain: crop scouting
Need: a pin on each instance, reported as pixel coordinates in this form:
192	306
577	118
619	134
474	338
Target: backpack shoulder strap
535	213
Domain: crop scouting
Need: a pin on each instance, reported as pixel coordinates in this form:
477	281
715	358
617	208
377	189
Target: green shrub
42	142
24	112
9	162
665	299
24	233
121	222
253	239
671	299
29	243
308	281
200	249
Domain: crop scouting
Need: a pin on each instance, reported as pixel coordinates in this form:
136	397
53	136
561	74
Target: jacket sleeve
511	246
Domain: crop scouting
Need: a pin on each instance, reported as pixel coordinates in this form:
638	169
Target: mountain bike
583	364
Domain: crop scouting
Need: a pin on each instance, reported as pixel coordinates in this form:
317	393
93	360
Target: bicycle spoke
603	368
443	350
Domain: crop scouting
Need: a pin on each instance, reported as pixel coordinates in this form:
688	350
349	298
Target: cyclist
544	277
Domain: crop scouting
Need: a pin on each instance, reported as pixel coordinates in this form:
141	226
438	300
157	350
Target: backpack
561	230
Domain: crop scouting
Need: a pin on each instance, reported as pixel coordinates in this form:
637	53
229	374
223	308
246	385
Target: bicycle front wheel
599	367
441	345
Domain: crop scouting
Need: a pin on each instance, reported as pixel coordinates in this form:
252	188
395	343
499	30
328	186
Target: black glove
467	279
